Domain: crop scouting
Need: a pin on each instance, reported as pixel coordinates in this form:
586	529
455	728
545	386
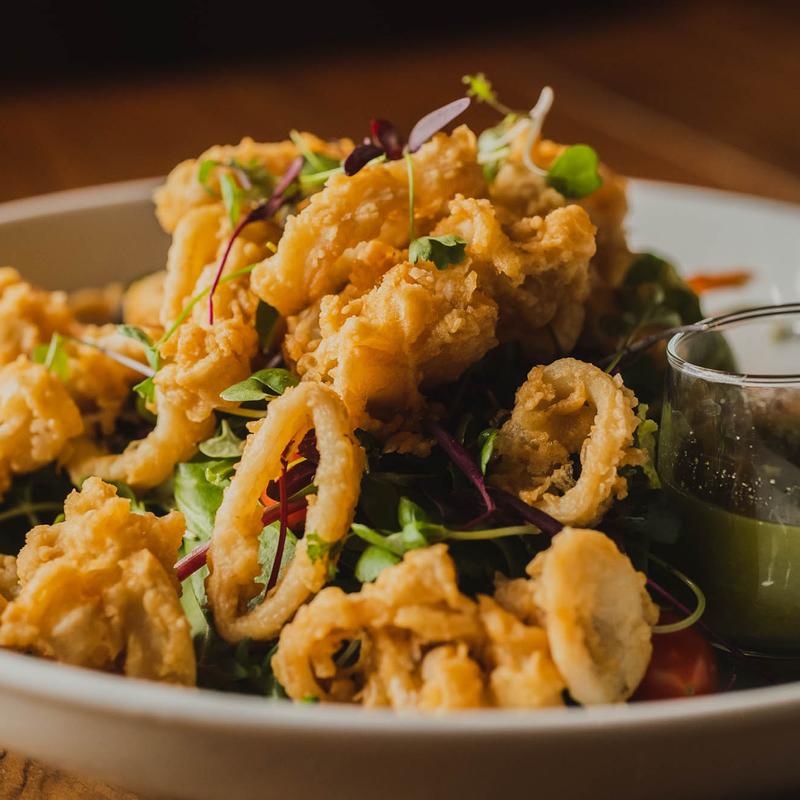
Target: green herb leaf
266	322
231	197
266	383
409	513
646	440
574	172
146	389
225	444
443	251
53	356
267	550
486	439
197	497
372	562
204	171
316	548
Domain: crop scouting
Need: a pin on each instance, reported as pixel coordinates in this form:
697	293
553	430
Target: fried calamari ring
312	256
568	407
598	615
233	556
146	462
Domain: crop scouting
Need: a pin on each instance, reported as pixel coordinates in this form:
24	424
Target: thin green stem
411	227
28	509
493	533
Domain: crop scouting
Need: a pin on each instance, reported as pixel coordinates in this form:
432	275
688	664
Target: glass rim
709	324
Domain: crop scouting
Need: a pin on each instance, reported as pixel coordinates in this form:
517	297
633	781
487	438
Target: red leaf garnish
360	156
388	138
432	123
258	214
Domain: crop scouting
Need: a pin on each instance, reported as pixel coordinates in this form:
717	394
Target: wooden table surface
693	92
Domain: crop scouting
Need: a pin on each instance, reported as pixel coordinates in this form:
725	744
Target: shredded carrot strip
708	281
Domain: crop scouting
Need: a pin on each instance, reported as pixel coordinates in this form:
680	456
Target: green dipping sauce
749	571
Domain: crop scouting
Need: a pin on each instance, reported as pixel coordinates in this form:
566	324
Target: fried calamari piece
401	620
521	669
536	269
145	462
419	327
99	590
313	258
568	408
183	190
233	556
142	301
29	316
519	192
9	582
37	418
597	613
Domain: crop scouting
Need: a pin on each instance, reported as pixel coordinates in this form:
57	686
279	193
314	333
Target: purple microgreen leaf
386	136
292	507
432	123
360	157
288	178
461	458
297	478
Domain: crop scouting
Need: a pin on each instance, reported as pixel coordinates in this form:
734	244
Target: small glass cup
729	455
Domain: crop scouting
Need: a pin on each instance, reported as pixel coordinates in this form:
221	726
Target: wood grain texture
694	92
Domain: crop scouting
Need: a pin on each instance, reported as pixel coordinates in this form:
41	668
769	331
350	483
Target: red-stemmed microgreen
283	517
265	211
632	349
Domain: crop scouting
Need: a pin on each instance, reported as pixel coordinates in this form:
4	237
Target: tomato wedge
683	665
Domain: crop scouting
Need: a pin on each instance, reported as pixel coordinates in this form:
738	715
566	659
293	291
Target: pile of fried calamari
372	334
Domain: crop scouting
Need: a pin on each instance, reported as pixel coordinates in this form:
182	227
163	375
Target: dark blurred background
698	91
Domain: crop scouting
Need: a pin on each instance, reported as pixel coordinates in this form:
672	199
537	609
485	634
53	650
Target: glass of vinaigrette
729	455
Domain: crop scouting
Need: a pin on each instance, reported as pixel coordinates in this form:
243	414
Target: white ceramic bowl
194	744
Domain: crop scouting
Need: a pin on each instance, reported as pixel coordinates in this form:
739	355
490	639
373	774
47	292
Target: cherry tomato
683	665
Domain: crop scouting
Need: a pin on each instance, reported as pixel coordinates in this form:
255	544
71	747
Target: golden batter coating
313	258
565	409
37	418
98	590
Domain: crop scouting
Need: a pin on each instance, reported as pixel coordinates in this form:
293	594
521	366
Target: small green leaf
219	473
276	379
198	498
253	388
316	548
486	439
574	172
372	562
204	171
646	440
225	444
442	251
244	392
53	356
146	389
266	321
231	196
409	513
268	541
